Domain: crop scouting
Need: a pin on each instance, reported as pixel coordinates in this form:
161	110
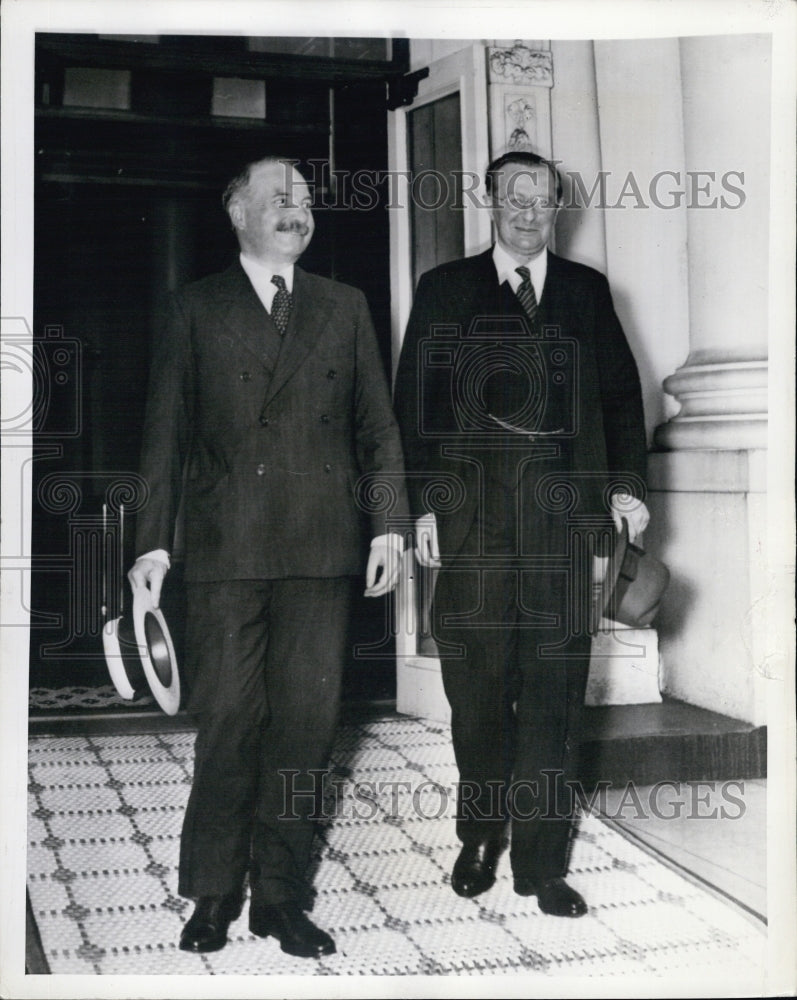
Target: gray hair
240	182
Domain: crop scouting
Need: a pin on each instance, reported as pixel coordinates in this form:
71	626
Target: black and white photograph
398	525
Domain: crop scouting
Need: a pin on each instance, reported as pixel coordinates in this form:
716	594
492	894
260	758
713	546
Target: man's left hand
384	563
633	510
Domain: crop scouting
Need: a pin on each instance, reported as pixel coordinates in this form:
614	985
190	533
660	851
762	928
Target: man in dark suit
268	401
521	416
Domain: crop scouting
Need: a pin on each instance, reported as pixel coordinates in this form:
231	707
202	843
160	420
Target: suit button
245	376
324	418
261	469
264	421
327	467
331	373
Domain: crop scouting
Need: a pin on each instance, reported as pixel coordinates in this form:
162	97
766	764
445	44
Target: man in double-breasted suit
521	416
268	401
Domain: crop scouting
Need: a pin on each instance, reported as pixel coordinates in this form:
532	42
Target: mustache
300	228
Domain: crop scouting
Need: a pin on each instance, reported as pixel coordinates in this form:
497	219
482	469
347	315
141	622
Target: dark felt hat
634	584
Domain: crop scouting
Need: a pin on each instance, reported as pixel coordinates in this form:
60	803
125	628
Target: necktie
526	294
281	305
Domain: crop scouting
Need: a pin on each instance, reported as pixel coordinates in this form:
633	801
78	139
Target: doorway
127	208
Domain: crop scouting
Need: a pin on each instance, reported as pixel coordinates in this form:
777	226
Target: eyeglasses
524	204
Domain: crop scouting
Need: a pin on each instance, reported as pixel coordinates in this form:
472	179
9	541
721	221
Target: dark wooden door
127	208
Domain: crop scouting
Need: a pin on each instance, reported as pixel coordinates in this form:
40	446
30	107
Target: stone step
669	741
644	744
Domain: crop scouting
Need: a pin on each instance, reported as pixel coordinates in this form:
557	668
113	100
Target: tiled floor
104	821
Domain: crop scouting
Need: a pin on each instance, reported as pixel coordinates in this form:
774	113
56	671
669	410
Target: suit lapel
551	302
243	312
311	312
481	293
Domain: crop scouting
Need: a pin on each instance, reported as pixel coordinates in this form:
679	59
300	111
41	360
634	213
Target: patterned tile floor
103	831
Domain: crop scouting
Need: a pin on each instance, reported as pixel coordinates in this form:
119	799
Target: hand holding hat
624	505
148	572
633	586
140	653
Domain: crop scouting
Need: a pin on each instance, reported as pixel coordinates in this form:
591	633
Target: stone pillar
708	500
708	525
636	133
722	387
641	141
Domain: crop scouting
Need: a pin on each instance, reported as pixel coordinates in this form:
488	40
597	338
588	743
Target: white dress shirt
505	265
261	274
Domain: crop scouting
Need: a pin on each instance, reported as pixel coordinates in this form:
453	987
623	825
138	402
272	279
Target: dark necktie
281	305
526	294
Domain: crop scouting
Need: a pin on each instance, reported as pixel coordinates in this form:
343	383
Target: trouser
515	675
264	660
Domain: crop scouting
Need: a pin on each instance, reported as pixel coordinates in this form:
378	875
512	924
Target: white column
641	137
617	128
722	387
708	498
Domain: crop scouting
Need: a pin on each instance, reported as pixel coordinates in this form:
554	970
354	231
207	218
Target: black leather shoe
525	886
296	933
474	869
207	928
554	896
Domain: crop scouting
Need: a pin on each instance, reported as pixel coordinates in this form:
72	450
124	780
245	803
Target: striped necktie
526	294
281	305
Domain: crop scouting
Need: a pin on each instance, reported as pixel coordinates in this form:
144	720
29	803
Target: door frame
463	72
419	689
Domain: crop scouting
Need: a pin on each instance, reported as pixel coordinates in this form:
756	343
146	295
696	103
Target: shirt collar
505	265
260	276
